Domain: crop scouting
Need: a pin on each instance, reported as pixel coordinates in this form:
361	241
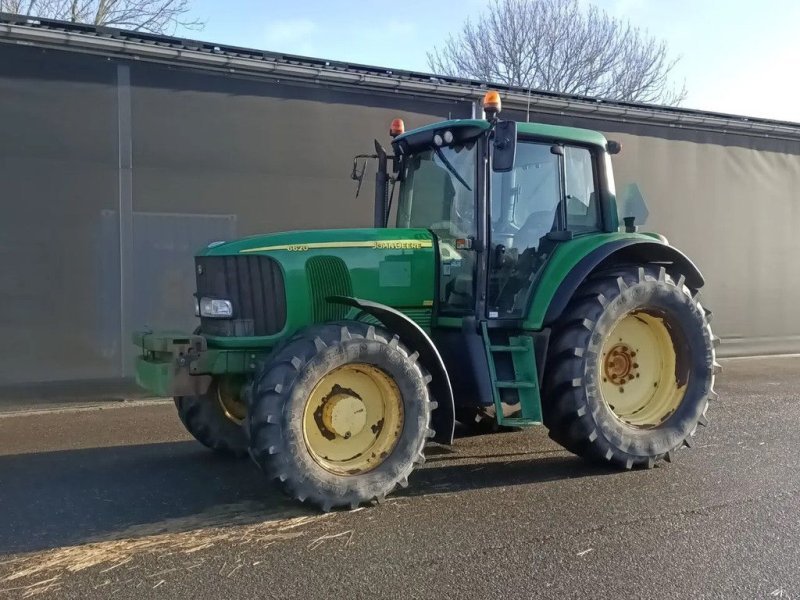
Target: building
122	153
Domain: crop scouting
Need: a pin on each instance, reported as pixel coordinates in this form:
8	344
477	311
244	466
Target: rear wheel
340	415
630	369
215	418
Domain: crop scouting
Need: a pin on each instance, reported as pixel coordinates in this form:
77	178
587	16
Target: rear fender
443	417
629	251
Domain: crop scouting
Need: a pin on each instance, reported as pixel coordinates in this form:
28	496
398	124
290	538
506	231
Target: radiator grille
253	284
328	276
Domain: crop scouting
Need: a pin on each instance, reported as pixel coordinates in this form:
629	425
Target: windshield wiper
451	168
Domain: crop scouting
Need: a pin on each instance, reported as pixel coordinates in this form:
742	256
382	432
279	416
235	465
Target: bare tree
154	16
558	46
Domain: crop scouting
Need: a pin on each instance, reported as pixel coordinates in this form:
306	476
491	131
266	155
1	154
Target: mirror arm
381	186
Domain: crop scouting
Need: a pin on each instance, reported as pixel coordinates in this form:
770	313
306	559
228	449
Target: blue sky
737	56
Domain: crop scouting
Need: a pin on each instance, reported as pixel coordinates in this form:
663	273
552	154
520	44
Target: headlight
196	307
214	308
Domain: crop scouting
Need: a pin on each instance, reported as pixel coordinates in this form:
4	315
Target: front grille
328	276
253	284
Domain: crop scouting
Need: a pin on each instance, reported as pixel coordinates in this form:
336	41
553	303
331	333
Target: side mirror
505	146
358	173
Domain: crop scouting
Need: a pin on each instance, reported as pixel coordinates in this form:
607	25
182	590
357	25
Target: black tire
204	417
278	399
574	409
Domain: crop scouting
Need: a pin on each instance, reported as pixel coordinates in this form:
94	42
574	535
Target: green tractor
496	288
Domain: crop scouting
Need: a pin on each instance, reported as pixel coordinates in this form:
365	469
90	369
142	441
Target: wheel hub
639	379
352	419
620	366
229	398
344	415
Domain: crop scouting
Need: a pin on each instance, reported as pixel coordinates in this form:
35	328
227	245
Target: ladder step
517	385
520	422
508	349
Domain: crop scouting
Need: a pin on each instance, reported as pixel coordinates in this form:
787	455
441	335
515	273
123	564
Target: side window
525	200
583	208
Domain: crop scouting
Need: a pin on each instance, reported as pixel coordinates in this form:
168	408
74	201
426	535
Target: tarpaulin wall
114	173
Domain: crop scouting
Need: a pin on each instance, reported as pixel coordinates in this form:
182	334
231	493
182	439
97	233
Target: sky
736	56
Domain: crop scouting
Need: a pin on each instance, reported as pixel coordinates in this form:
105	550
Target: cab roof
542	130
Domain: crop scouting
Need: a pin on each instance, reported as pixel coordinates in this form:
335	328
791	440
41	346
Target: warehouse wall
735	211
58	168
115	173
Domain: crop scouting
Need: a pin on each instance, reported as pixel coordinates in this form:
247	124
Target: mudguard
627	251
443	417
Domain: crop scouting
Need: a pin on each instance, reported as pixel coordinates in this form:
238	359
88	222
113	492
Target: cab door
550	189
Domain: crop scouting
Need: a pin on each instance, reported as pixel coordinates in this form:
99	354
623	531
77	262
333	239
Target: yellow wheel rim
230	400
353	419
638	375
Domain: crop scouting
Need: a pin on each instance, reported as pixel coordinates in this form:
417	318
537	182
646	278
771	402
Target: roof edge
122	43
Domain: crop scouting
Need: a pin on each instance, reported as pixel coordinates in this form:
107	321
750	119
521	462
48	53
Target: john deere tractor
496	285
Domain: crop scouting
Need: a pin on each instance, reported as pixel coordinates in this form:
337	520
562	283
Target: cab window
524	208
583	210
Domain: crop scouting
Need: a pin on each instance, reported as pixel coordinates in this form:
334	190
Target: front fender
443	417
636	250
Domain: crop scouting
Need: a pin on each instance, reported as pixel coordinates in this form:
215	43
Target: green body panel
479	123
395	267
563	134
450	322
554	132
566	256
156	376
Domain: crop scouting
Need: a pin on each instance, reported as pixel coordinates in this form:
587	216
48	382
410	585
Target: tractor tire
630	369
340	415
211	423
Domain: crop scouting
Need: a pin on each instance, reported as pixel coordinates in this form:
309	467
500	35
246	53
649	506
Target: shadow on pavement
449	478
64	498
69	497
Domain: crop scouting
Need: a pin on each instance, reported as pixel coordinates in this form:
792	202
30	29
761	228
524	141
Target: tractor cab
498	196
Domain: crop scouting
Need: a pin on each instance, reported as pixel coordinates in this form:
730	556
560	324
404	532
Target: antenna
528	111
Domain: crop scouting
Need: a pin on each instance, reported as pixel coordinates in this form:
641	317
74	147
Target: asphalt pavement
113	500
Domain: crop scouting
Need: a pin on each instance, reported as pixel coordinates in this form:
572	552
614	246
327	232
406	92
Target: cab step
525	382
519	422
515	385
508	349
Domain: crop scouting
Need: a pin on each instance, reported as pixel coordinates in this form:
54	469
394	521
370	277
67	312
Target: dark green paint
477	123
402	278
566	256
542	130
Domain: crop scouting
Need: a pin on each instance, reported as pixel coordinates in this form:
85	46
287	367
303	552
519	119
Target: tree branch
560	46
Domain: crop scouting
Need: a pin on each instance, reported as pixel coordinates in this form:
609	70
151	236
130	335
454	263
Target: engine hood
323	240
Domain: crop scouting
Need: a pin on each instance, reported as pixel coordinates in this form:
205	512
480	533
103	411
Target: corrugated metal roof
161	48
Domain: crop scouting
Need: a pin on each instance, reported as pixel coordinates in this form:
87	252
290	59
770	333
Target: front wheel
340	415
215	418
630	369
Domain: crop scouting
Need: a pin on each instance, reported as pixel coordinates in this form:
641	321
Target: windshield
437	192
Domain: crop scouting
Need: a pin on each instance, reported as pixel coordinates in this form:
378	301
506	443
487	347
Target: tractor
498	287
